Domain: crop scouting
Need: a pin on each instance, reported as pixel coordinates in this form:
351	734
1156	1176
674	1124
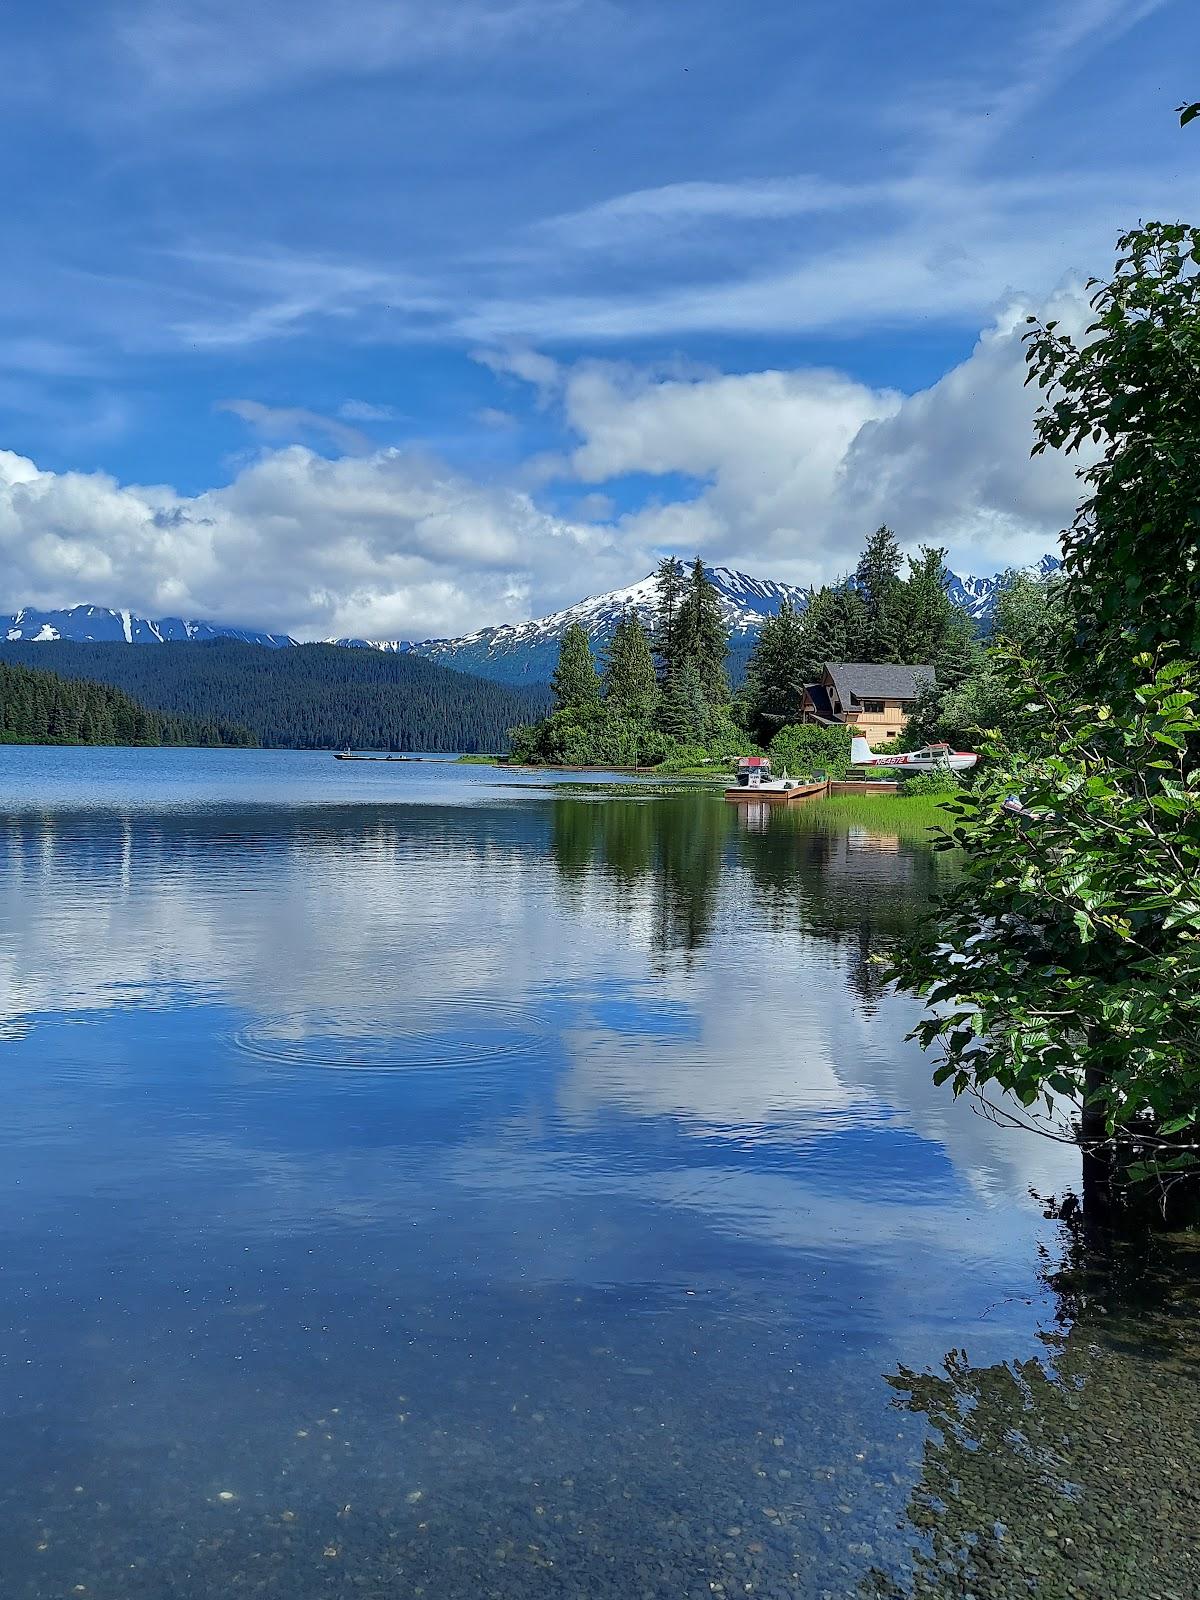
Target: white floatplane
929	758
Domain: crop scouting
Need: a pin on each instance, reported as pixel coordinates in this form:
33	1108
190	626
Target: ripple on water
451	1031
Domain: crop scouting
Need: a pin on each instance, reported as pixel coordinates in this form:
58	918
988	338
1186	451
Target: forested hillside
39	707
311	697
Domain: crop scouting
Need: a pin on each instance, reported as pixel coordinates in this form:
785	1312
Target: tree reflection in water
683	860
1076	1475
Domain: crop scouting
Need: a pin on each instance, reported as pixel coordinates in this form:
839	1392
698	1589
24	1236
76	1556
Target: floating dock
777	797
809	791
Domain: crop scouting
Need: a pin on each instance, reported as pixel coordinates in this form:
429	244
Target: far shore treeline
312	697
38	707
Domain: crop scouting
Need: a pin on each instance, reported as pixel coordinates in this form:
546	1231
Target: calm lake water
422	1180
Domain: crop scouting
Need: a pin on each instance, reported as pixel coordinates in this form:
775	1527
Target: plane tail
860	752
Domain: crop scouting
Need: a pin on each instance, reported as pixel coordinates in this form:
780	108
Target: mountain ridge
511	652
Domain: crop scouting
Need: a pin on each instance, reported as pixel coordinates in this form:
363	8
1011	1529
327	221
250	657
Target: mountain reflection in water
503	1192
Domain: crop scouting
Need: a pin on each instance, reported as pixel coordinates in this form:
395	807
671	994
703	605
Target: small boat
754	772
755	782
929	758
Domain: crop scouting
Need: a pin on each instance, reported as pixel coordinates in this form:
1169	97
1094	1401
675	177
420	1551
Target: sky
396	318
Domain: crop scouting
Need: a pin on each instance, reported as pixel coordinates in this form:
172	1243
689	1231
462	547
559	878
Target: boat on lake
756	782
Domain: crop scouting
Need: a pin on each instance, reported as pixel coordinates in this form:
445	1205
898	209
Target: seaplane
929	758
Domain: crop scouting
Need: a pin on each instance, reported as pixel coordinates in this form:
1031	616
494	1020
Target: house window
872	708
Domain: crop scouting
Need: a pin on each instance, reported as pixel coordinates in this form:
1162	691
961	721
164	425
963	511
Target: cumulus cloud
389	545
794	468
953	464
779	472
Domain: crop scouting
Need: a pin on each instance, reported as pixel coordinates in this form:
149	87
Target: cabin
875	700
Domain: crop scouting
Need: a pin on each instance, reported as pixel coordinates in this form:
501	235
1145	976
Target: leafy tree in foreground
576	682
1132	387
1067	964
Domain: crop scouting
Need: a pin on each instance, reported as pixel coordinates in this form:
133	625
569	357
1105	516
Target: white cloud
952	465
493	417
368	411
293	422
192	49
386	545
791	470
794	468
768	445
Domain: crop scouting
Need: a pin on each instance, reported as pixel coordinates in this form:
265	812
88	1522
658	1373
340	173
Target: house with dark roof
875	699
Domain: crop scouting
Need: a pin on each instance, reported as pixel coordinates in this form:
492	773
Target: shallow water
426	1180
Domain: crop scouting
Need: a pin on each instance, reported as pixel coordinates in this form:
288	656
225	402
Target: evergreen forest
662	697
314	696
38	707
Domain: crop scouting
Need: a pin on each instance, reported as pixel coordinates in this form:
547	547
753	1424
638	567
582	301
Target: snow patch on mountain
89	624
977	596
521	652
527	651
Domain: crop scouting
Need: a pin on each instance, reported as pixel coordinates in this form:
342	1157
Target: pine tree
777	675
669	581
833	628
877	581
683	710
630	682
576	682
704	638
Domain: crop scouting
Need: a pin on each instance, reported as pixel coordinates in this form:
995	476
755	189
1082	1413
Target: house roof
866	680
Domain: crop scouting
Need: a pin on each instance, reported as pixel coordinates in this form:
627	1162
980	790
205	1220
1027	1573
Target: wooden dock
777	797
809	791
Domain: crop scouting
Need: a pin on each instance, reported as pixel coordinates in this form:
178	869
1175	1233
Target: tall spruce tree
670	583
630	682
576	683
877	580
937	630
704	638
833	628
683	710
777	675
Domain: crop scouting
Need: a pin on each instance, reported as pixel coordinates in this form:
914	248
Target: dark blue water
420	1180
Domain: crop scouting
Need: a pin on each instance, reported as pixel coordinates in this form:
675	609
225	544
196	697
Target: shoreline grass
910	816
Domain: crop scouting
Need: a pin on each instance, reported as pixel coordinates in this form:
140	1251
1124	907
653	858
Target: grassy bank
910	817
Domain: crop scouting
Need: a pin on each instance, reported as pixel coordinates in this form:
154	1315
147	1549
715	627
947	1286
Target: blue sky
397	317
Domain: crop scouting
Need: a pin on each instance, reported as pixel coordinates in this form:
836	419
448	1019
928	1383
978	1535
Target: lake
429	1180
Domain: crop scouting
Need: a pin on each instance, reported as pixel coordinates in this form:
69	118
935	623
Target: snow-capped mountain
521	652
977	596
525	652
83	624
